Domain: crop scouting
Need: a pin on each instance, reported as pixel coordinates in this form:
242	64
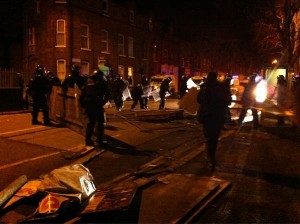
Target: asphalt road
262	165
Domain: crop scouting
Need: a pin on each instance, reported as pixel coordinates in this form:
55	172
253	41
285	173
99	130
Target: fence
9	77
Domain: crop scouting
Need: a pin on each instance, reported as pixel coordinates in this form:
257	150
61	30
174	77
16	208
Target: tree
278	30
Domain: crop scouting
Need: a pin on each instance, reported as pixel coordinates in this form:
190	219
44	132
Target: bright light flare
261	91
190	83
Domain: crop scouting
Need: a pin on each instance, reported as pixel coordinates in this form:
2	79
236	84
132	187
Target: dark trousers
212	133
119	101
96	117
40	102
137	100
162	101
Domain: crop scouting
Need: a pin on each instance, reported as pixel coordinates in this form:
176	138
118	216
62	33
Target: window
131	16
130	47
130	76
85	67
61	69
85	36
104	41
155	53
105	6
60	33
61	1
121	70
31	39
120	44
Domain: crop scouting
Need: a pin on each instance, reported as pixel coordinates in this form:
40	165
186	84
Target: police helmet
39	70
75	70
97	75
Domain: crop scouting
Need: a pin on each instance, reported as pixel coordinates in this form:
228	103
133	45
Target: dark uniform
137	93
94	95
164	88
38	88
73	78
213	99
118	87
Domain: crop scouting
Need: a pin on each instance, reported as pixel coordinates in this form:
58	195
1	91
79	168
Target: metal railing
9	77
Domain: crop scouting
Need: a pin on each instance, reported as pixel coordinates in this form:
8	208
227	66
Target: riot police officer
95	94
164	88
73	78
38	88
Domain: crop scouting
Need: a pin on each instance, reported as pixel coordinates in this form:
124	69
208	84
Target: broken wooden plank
11	189
83	150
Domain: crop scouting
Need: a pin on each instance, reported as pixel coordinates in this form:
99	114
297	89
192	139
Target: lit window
131	16
130	76
61	69
85	36
121	44
104	41
130	47
105	6
60	33
85	67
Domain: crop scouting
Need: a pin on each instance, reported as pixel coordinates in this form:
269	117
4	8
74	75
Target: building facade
93	33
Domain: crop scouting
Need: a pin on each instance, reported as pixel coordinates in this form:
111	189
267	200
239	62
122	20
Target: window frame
104	41
121	45
63	33
85	37
61	74
130	47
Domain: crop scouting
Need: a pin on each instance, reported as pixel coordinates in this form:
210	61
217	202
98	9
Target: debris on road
11	189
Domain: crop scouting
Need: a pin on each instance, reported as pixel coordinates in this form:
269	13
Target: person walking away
38	88
213	100
94	95
164	89
248	100
118	88
146	87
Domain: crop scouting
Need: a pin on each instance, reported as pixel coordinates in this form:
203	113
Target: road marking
28	160
27	129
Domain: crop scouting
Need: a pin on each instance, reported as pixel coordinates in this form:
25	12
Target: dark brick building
92	33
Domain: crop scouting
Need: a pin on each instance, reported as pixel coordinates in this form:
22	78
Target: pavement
262	165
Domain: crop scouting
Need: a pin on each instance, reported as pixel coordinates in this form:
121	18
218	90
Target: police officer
164	88
118	87
94	95
38	88
73	78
